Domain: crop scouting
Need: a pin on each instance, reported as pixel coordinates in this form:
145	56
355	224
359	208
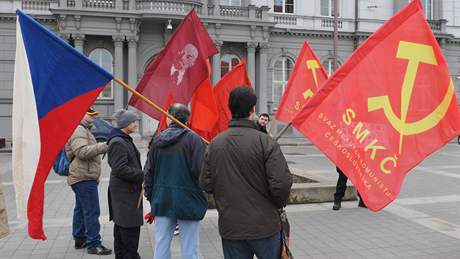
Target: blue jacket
171	175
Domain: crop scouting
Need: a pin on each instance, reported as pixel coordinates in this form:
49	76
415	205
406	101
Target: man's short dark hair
180	112
265	115
241	101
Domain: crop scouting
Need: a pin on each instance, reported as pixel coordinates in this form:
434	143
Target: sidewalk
423	223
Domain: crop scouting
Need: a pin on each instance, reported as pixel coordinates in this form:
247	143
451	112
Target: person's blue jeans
86	213
266	248
189	235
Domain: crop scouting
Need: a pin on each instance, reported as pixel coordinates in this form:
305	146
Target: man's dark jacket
171	175
249	177
125	180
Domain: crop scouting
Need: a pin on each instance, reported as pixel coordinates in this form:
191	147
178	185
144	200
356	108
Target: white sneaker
176	231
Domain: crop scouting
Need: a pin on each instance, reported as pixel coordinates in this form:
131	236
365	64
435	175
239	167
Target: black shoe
337	205
361	204
99	250
80	243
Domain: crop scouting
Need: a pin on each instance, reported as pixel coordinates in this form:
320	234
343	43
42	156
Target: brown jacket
84	153
4	230
249	177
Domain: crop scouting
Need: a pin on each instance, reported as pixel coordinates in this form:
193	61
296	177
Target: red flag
388	107
306	78
235	78
204	109
179	68
162	125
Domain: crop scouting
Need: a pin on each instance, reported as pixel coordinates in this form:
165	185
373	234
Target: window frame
283	73
283	6
230	64
425	10
100	63
229	2
330	9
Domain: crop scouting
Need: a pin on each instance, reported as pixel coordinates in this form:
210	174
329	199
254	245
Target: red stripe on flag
55	129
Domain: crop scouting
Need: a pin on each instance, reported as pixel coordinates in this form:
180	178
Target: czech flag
54	85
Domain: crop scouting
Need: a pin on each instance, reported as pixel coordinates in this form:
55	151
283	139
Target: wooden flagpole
283	130
154	105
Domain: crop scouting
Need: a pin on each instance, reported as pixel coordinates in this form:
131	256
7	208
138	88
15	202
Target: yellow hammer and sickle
415	54
313	66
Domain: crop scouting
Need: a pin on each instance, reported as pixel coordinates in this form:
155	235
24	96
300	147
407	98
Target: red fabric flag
235	78
179	68
306	78
162	125
204	109
388	107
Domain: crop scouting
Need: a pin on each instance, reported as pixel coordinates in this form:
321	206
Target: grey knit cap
124	117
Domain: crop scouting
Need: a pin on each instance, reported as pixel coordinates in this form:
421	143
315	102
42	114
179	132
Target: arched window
283	6
281	71
104	58
328	64
228	62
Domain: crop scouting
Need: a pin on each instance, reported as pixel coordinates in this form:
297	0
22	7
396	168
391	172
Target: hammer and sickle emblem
415	54
311	65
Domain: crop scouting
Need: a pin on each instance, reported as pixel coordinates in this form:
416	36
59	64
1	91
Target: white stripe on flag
26	130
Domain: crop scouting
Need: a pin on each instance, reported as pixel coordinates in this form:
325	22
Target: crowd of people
243	168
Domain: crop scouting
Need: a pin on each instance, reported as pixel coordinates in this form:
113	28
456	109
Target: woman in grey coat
125	186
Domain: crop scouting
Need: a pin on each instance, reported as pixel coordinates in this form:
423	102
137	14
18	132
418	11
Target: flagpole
154	105
283	130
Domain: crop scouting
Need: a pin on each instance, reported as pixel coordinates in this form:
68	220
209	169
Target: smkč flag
386	109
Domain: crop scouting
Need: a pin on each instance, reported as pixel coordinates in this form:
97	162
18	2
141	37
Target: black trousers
126	242
341	186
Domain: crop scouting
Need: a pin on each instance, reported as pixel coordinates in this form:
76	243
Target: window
327	8
230	2
104	58
283	6
428	7
281	72
328	64
228	62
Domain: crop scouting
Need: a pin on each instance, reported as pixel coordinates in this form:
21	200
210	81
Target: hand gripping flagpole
154	105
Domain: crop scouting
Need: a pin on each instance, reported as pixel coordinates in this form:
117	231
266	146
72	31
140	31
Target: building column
79	42
132	62
251	48
118	71
261	89
216	64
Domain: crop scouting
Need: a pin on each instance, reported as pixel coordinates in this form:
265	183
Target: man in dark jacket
171	185
248	175
125	186
262	122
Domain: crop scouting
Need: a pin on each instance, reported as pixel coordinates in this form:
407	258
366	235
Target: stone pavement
423	223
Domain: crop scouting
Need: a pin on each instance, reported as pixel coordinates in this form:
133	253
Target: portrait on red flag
179	68
387	108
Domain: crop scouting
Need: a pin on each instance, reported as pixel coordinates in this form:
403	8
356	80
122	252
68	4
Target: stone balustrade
156	6
170	6
38	5
104	4
285	19
329	23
